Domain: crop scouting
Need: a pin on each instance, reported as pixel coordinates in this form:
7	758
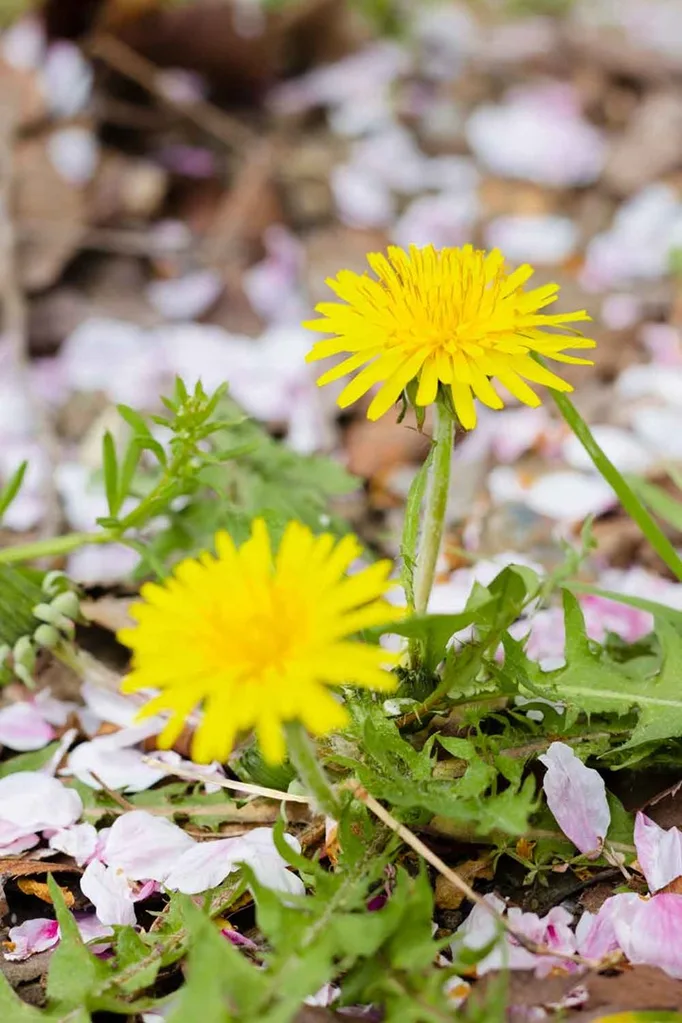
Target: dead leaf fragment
41	891
449	897
52	212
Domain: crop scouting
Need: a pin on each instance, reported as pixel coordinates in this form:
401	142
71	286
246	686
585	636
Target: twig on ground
116	796
122	58
415	843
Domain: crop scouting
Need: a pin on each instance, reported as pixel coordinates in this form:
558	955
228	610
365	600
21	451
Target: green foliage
659	501
395	771
592	683
74	971
219	470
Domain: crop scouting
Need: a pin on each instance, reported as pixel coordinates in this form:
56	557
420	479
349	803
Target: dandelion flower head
450	317
256	639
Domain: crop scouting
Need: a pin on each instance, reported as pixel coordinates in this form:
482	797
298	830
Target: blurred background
178	179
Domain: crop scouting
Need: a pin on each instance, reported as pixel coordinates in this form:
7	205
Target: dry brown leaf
109	612
52	213
21	90
41	891
15	866
524	848
449	897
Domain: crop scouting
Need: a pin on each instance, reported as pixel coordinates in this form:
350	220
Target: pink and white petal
34	801
78	840
259	852
114	708
114	761
204	866
659	852
23	727
576	795
208	864
480	929
652	934
54	711
596	935
92	929
145	847
16	838
109	892
30	937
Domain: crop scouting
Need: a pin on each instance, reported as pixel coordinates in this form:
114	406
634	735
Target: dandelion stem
437	489
309	769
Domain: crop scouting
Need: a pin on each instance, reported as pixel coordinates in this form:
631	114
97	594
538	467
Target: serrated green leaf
590	683
132	952
436	631
74	971
221	984
412	520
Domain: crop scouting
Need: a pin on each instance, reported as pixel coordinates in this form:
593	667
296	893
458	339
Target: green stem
53	546
437	490
629	500
304	758
411	523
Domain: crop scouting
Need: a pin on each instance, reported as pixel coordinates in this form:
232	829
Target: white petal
36	802
110	894
79	841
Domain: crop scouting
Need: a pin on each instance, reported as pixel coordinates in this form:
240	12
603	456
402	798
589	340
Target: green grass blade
627	497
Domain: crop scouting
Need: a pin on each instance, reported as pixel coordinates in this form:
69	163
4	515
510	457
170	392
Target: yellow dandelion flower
451	317
256	639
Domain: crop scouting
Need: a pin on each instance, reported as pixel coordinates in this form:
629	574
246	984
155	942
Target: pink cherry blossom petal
34	801
144	847
659	852
207	864
23	727
576	795
90	929
596	935
115	761
110	893
480	929
79	841
651	934
30	937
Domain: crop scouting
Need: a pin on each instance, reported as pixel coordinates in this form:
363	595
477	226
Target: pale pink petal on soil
110	893
145	847
23	728
576	795
35	802
659	852
30	937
